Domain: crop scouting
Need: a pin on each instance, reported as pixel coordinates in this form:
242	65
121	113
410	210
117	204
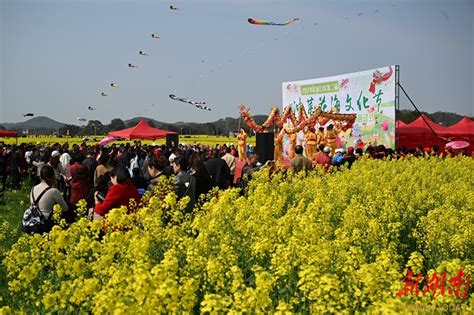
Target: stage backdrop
370	94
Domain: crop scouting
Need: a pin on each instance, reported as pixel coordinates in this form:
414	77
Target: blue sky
56	57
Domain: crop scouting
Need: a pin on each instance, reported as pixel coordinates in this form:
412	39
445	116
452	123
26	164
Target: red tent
6	133
141	131
422	132
399	124
463	129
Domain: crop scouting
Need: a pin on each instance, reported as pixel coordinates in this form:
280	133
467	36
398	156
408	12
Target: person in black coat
199	172
218	170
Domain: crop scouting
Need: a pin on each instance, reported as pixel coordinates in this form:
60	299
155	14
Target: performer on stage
311	139
278	151
242	145
292	137
320	137
330	136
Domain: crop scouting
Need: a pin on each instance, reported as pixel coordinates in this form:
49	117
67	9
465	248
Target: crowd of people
109	177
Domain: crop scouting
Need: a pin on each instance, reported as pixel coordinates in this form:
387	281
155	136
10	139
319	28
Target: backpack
33	219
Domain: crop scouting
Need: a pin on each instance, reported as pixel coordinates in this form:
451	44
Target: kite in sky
174	8
262	22
90	108
131	65
28	115
155	36
104	94
186	100
114	85
81	119
142	53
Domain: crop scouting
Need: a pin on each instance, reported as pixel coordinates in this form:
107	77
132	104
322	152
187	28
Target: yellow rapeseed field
187	139
335	243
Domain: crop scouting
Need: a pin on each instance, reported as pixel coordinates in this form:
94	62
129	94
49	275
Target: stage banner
370	94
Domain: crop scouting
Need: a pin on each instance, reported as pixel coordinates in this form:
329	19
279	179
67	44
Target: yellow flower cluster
335	243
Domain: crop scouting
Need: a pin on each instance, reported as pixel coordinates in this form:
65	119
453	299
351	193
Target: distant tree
73	130
2	127
116	124
151	123
93	127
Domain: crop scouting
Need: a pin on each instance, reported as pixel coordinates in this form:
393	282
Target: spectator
350	157
184	183
104	167
323	159
46	195
120	194
230	160
59	171
338	158
138	180
218	170
155	167
300	162
199	172
91	163
80	180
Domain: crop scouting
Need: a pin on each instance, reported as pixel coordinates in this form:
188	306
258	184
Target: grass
12	206
188	139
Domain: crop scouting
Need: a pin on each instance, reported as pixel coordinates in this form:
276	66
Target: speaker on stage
265	146
172	140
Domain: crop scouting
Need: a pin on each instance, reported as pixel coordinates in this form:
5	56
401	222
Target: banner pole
397	104
416	108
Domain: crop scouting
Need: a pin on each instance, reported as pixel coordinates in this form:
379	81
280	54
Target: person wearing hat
350	157
338	158
59	171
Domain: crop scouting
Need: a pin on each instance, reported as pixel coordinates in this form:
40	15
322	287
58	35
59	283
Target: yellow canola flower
323	243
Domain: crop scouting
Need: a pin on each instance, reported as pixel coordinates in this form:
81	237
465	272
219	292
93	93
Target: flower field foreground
335	243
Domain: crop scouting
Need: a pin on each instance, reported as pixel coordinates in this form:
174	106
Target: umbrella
107	140
457	145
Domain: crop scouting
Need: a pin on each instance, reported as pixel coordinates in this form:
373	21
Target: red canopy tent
422	132
7	134
399	124
463	129
141	131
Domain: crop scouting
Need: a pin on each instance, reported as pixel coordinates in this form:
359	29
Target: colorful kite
155	36
131	65
142	53
114	85
28	115
174	8
104	94
186	100
262	22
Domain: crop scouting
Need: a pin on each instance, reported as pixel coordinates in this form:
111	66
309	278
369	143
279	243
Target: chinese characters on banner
436	284
370	94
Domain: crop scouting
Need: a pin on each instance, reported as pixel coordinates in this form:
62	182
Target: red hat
360	144
350	149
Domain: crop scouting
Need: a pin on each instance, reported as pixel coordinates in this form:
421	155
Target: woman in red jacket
119	194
